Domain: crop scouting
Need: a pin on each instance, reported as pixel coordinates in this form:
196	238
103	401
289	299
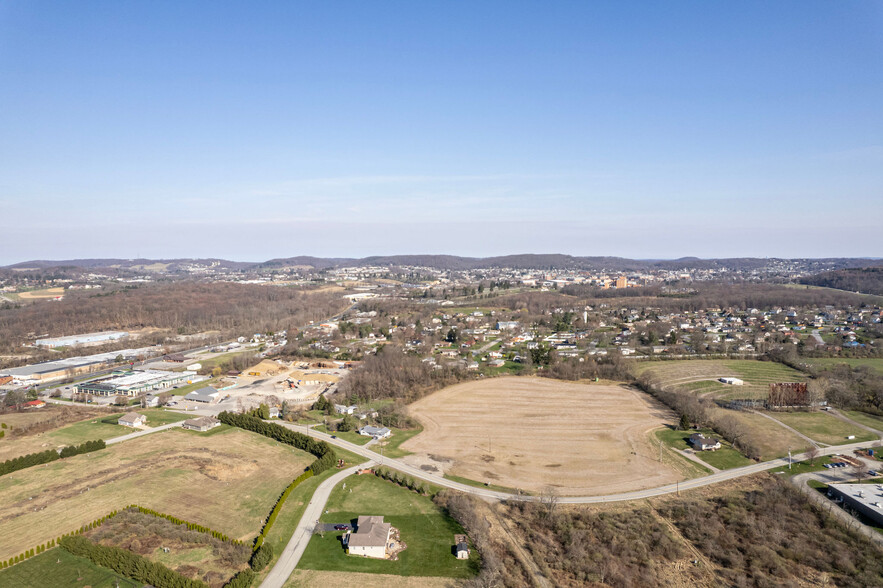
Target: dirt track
530	433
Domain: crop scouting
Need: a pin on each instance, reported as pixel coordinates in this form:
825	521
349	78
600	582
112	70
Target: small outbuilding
461	547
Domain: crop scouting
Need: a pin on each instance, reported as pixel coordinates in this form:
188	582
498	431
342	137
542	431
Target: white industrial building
84	339
135	383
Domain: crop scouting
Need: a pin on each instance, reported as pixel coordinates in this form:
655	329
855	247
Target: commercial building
865	499
60	369
84	339
208	395
134	383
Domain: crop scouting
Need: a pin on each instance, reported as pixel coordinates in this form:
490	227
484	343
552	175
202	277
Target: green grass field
823	427
803	467
723	459
425	529
875	363
699	375
391	446
868	420
60	569
185	390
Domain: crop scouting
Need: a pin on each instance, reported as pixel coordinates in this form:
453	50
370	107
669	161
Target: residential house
201	423
370	538
132	419
702	443
376	432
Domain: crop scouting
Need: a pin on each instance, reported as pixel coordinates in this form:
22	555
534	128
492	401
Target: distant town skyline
244	132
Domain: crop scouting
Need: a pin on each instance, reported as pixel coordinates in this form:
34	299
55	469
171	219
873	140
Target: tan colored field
308	578
227	480
36	294
530	433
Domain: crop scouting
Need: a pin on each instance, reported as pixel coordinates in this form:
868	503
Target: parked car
341	527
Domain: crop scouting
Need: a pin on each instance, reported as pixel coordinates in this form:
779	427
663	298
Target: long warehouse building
135	383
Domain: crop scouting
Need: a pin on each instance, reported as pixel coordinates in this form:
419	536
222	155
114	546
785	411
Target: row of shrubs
34	459
402	480
128	564
50	544
278	506
190	526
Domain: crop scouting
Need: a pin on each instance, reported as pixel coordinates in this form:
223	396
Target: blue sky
257	130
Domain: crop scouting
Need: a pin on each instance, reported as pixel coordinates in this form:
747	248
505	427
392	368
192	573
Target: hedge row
259	540
402	480
323	452
35	459
50	544
128	564
190	526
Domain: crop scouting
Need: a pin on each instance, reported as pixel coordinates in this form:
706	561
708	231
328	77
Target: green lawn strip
824	427
688	467
494	487
391	446
868	420
816	484
57	567
157	416
723	459
803	467
100	427
350	436
425	529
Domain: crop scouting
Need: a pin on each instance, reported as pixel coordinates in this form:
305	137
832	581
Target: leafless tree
812	453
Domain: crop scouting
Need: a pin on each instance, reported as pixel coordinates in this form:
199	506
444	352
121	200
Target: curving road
301	537
488	494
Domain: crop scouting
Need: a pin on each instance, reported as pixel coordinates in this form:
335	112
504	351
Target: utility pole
789	459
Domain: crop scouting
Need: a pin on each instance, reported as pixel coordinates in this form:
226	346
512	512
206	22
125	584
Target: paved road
143	432
488	494
815	335
301	537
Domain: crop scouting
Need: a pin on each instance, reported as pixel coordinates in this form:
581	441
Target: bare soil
532	433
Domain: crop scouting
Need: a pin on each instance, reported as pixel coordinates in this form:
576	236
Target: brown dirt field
307	578
578	438
227	481
36	294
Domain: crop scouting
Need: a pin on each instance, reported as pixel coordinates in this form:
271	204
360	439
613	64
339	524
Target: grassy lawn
425	529
868	420
350	436
475	484
391	446
823	427
58	568
875	363
184	390
803	467
723	459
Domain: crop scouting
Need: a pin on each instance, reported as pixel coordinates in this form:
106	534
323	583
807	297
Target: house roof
131	417
200	422
371	531
207	393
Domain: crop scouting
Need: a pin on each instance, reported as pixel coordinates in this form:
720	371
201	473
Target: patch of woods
500	567
145	535
34	459
390	373
868	280
177	308
853	388
764	536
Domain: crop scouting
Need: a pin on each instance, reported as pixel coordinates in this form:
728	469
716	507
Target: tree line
34	459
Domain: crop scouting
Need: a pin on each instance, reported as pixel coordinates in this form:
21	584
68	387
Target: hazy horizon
346	130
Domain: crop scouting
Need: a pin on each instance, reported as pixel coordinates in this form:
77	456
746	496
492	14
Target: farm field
40	294
209	479
425	529
101	426
310	578
529	433
60	569
875	363
699	375
823	427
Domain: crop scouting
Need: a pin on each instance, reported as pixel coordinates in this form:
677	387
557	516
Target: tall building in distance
622	282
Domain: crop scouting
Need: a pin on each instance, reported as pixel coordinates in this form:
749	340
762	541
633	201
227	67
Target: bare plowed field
530	433
227	481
